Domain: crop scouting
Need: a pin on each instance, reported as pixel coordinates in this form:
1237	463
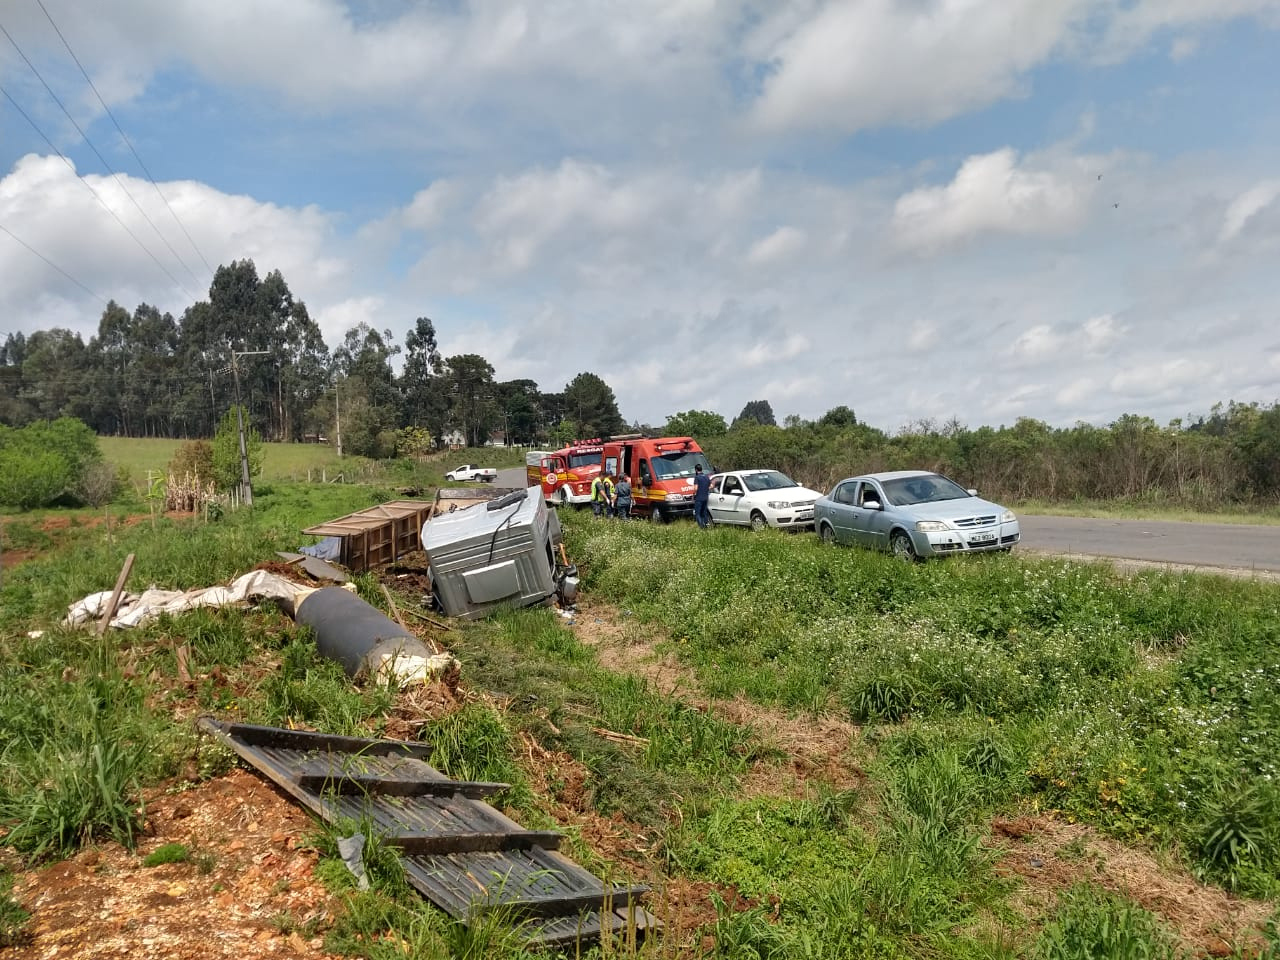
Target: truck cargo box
493	554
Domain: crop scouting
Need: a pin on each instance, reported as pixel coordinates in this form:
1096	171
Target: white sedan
761	498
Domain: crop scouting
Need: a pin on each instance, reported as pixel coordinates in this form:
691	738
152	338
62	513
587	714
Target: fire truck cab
565	475
661	473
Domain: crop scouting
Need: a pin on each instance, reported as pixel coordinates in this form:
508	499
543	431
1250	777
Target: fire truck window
611	465
646	478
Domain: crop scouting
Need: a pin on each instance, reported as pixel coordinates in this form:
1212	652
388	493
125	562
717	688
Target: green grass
1146	706
296	462
1152	510
167	853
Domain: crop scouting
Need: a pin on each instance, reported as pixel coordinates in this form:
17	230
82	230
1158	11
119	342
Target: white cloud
924	336
1076	392
1038	343
52	211
430	206
783	244
863	63
1246	206
1183	48
1151	379
1101	332
992	193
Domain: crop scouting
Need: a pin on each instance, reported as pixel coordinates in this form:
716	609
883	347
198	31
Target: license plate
804	515
981	537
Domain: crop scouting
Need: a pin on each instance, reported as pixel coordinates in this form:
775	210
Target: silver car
914	514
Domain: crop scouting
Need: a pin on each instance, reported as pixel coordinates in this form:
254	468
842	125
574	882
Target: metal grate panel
459	852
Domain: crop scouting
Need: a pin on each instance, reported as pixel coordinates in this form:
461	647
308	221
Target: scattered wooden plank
115	595
620	737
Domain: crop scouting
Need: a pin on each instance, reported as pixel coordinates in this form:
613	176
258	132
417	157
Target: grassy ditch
1146	705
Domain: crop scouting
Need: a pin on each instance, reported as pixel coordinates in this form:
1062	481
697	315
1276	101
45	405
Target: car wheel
655	515
901	546
758	522
827	535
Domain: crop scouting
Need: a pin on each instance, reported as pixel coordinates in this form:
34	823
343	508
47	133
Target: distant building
454	439
496	439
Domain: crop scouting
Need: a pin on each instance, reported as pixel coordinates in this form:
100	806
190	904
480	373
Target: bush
44	461
226	450
195	458
100	484
1093	924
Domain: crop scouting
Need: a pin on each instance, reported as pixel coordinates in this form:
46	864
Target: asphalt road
511	477
1158	541
1235	545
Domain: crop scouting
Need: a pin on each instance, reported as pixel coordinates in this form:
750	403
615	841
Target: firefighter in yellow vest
602	495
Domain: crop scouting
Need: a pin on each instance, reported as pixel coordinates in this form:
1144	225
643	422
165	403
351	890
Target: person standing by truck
622	498
701	497
602	496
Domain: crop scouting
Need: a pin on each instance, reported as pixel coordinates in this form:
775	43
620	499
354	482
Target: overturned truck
493	553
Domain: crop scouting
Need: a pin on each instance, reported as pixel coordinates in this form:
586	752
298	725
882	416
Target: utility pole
337	414
246	489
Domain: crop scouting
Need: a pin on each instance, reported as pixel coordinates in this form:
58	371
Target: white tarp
134	609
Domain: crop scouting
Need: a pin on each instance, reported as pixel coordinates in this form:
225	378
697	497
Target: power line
96	296
125	138
84	136
115	175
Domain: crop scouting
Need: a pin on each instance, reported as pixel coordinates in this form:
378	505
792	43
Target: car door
842	500
715	501
732	500
874	524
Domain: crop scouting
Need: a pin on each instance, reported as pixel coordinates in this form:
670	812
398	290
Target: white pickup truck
472	472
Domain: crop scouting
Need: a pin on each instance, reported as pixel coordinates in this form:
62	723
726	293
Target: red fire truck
661	472
565	475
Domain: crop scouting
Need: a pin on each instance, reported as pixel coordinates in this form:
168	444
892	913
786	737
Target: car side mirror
971	492
872	505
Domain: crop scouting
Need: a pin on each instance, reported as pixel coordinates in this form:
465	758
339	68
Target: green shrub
1091	925
195	458
43	461
227	468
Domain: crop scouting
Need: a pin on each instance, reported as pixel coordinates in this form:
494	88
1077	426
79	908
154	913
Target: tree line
1230	455
147	374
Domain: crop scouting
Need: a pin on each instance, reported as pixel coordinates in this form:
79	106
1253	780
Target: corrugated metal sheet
462	854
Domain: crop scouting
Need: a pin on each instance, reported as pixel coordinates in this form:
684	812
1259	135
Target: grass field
819	741
298	462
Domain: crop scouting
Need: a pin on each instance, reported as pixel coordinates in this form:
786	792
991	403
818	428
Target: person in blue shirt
701	495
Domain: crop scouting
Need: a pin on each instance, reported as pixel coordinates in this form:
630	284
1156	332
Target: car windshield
767	480
671	466
929	488
584	460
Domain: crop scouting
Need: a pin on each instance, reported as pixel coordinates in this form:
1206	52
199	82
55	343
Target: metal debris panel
458	851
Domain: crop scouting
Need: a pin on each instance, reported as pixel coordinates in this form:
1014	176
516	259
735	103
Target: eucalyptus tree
423	386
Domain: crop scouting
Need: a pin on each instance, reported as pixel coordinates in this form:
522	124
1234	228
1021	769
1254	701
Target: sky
921	209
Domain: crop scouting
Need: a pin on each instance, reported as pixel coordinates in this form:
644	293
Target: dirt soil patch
813	748
248	890
1049	856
